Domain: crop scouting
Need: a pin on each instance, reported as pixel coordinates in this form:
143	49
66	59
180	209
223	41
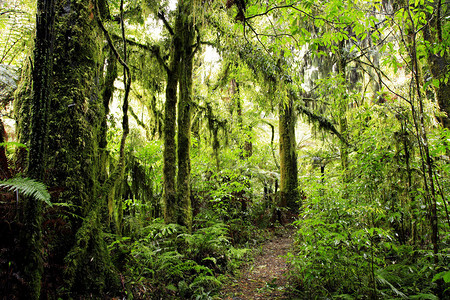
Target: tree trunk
70	153
170	147
41	93
438	63
289	194
187	34
177	205
245	145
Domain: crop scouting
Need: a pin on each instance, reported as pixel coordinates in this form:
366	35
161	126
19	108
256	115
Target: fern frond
14	144
27	187
381	276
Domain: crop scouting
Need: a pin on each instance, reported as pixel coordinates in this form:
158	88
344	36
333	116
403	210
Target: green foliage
168	262
16	27
15	144
369	236
340	252
364	232
28	187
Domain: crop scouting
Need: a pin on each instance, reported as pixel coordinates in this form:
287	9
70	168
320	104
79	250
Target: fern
382	278
28	187
14	144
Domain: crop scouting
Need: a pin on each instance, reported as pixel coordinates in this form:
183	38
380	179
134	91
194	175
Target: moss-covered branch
127	79
166	24
153	49
139	121
267	67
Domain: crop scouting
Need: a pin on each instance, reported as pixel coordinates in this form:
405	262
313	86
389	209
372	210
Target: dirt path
266	277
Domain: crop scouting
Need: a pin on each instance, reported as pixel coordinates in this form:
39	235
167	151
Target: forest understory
266	277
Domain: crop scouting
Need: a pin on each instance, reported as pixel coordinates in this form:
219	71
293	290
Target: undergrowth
350	247
166	262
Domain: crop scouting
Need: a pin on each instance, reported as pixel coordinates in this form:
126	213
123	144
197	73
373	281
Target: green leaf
435	83
445	275
252	10
171	287
28	187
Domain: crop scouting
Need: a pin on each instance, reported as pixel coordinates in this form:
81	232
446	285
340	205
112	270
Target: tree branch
155	50
163	18
292	6
212	44
323	122
198	43
115	175
257	37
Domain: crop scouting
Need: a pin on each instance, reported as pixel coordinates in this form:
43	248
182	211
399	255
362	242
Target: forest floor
266	277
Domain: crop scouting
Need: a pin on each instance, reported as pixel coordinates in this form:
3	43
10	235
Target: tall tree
289	193
41	93
187	33
438	57
177	202
67	113
169	131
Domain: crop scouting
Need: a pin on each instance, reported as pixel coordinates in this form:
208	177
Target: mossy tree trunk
438	63
169	131
177	201
75	115
245	141
41	93
187	34
289	194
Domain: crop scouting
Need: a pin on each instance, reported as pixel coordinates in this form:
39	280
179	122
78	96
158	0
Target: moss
76	116
187	33
170	147
22	109
89	259
289	194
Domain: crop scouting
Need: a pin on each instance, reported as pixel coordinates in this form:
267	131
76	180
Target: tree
39	108
437	42
289	194
67	114
177	203
187	32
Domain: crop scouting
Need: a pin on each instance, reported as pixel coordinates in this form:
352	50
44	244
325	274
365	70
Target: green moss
289	194
22	108
76	116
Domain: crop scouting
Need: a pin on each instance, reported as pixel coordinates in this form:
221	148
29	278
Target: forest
163	149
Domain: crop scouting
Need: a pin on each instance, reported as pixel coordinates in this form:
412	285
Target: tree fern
28	187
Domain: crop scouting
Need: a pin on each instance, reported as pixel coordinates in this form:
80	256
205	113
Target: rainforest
212	149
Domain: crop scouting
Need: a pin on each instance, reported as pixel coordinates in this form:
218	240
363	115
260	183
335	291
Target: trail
266	277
